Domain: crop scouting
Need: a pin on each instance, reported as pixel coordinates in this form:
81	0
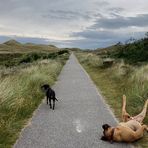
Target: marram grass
20	95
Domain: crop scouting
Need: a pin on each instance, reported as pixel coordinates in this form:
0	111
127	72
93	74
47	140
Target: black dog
50	94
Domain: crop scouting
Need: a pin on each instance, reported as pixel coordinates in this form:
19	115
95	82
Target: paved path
77	119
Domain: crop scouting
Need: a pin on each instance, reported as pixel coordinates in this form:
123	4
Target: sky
87	24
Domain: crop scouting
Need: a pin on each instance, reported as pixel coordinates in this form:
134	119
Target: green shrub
63	52
132	53
10	60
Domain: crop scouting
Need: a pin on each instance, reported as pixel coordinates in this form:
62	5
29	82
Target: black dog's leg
53	104
50	103
47	100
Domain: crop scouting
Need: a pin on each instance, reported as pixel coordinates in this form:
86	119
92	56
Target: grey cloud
43	18
104	38
115	9
121	22
102	3
66	14
101	35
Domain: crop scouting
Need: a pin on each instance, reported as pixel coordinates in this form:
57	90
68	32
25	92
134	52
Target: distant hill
12	46
12	43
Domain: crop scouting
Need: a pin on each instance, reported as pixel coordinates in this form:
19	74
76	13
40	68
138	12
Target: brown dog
128	131
124	132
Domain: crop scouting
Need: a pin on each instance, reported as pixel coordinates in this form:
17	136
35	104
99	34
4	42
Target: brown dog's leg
139	133
140	117
125	115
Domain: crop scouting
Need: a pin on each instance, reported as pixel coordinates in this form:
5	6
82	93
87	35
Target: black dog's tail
56	99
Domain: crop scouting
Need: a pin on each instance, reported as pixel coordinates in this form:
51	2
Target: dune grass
20	94
116	80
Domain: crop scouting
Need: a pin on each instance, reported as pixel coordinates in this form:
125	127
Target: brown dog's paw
145	127
103	138
124	96
111	142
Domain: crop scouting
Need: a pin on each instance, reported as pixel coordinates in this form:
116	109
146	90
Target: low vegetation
135	53
20	92
117	75
14	59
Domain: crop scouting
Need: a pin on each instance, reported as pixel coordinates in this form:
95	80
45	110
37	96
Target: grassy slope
113	83
20	92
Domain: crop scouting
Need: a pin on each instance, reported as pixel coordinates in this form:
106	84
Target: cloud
93	38
121	22
116	9
66	15
102	3
85	24
100	35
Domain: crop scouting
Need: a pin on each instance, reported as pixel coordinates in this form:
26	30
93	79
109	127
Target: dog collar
112	135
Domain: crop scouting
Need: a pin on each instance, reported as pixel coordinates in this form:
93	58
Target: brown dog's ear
105	126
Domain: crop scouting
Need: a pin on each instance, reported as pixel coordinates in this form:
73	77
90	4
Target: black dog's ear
47	85
103	138
105	126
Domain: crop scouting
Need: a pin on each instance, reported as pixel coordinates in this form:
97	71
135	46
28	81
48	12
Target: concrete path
77	119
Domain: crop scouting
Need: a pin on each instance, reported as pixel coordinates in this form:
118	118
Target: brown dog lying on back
131	129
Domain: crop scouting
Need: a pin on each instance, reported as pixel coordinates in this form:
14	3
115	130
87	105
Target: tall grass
138	90
91	59
20	95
